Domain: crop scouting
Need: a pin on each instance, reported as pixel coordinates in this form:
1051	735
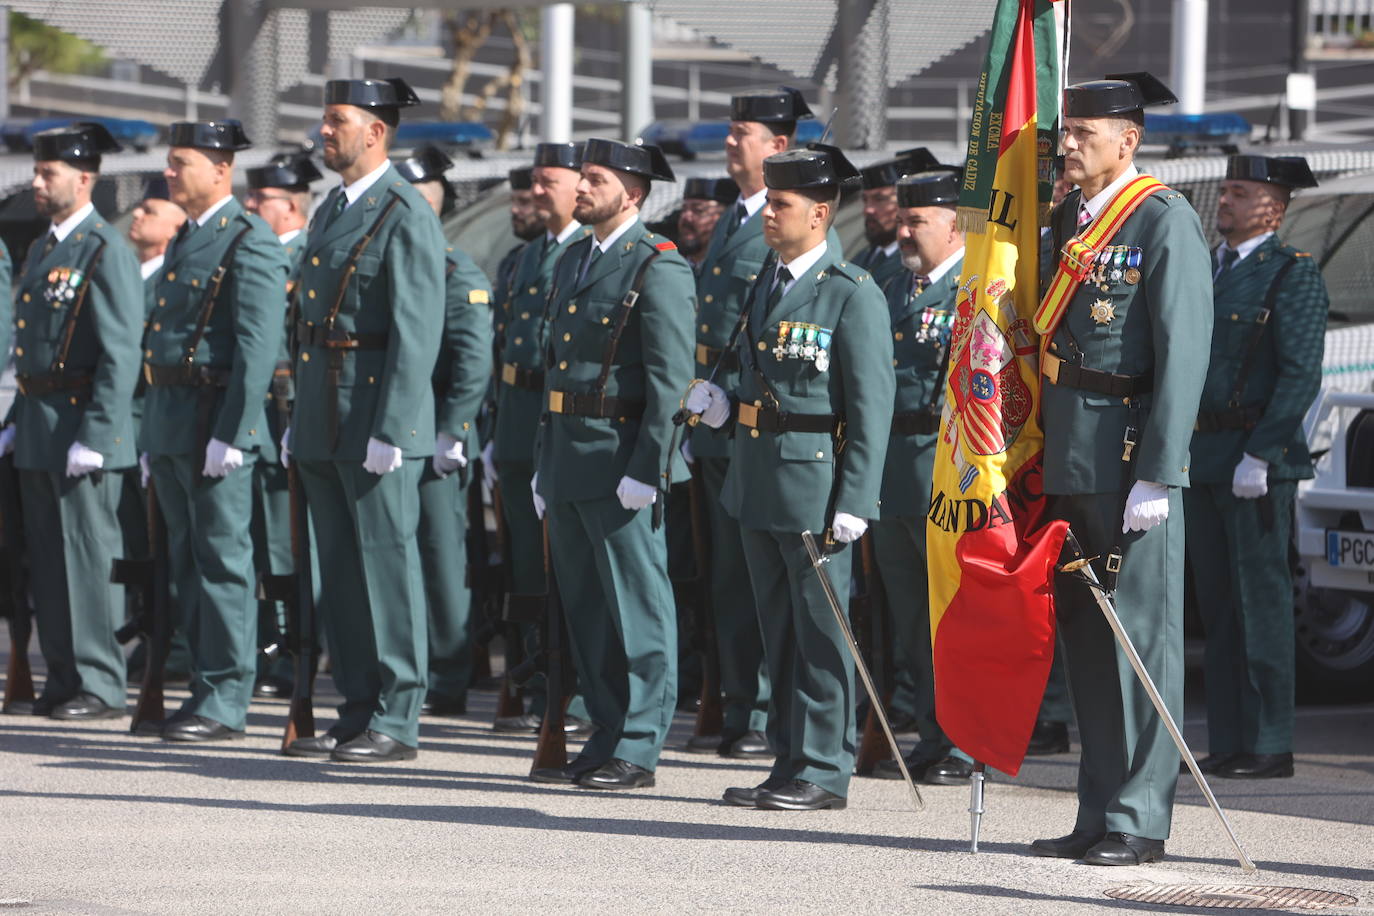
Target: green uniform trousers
739	639
73	532
1057	704
612	571
811	719
371	595
271	532
1128	769
442	540
1244	593
211	555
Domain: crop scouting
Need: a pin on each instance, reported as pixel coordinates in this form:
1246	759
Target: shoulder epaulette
850	271
657	242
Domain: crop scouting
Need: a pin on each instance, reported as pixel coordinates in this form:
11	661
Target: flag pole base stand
975	804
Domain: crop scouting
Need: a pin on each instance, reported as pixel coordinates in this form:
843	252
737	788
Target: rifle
296	592
151	578
14	593
485	585
870	605
551	751
710	718
509	703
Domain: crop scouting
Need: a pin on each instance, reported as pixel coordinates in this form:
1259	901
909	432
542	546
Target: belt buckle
1049	368
556	401
749	416
703	354
508	373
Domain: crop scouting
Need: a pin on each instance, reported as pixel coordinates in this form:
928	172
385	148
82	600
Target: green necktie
784	278
1226	257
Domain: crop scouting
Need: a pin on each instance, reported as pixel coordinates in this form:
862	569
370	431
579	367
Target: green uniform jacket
920	339
504	286
1285	369
282	383
882	267
520	343
104	346
149	306
580	458
463	369
398	290
244	335
782	481
6	302
1162	329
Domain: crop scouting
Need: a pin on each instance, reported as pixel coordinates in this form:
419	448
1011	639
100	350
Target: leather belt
1211	421
528	379
574	404
36	386
707	356
772	420
186	376
915	423
1071	375
314	335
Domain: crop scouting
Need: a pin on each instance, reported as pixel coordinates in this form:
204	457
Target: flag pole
1081	567
975	804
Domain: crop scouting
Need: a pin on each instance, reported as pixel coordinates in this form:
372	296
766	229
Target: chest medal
1103	311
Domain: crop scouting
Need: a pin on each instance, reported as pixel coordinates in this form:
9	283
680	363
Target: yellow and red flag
991	554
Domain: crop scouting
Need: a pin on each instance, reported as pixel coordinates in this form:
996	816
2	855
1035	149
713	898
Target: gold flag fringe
971	219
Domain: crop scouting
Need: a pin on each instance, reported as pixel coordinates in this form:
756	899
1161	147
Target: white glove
687	455
285	452
1251	479
381	457
846	528
448	455
489	466
710	401
635	495
534	494
81	460
144	474
7	439
1146	506
220	459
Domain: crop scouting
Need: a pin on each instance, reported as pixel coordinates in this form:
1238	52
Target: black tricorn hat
521	178
288	171
818	165
388	93
83	141
908	162
226	135
1288	171
558	155
721	190
938	187
156	189
644	160
786	104
1116	94
428	163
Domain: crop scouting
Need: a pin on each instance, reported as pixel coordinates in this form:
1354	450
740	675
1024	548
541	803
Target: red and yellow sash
1077	257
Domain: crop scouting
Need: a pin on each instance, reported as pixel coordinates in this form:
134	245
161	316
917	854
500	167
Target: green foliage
37	46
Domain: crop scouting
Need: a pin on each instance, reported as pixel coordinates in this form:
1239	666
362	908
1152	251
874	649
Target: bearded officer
525	224
619	346
215	333
78	317
1249	452
372	320
1123	375
461	377
704	200
882	257
814	408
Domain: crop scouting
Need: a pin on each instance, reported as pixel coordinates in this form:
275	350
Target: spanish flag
991	554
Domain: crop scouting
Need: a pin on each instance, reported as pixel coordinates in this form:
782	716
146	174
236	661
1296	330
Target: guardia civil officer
761	125
1123	376
1249	452
704	200
461	377
813	405
371	294
78	316
882	257
616	366
525	224
520	340
213	340
920	303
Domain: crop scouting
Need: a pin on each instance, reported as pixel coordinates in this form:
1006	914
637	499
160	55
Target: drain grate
1232	896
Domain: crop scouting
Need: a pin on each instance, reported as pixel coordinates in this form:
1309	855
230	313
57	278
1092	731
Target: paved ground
93	820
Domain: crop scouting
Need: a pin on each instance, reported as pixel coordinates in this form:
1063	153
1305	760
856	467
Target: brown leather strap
772	420
1071	375
314	335
36	386
211	296
59	362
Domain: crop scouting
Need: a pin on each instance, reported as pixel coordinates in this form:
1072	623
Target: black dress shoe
436	704
319	747
1257	766
702	744
528	723
799	795
750	745
198	728
1072	846
372	747
749	798
1124	849
1208	765
25	708
572	725
888	769
617	774
84	708
951	771
272	687
565	775
1048	738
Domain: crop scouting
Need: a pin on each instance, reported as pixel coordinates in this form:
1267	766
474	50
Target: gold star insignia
1103	311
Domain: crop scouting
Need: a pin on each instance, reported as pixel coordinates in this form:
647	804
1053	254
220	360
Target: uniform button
605	321
753	434
715	271
315	261
762	345
157	326
195	282
572	309
753	277
894	364
72	399
251	432
20	324
412	432
467	425
18	351
820	454
519	341
118	440
705	328
709	298
311	294
161	302
524	315
758	403
563	364
567	336
533	290
147	354
372	379
27	297
305	357
898	336
172	275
